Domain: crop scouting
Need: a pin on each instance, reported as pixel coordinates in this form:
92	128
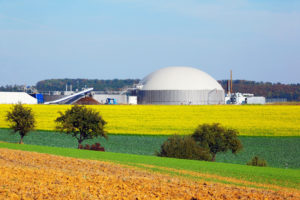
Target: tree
82	123
183	147
21	120
217	139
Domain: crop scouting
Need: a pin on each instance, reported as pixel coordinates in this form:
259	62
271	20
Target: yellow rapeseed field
252	120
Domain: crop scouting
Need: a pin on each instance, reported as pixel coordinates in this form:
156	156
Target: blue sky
104	39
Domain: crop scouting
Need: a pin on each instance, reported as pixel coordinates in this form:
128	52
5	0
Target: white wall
256	100
101	98
16	97
132	100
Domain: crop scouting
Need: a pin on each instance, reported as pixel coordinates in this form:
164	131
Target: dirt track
27	175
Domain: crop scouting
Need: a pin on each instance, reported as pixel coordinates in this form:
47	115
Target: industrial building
179	86
17	97
241	98
244	98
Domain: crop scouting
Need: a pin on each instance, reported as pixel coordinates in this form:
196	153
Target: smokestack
66	87
230	81
228	87
71	87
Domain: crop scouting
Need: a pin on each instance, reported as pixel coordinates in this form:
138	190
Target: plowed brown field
28	175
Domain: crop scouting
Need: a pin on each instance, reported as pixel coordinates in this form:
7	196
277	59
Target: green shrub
256	161
183	147
94	147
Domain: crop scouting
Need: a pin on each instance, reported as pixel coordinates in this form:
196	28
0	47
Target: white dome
179	78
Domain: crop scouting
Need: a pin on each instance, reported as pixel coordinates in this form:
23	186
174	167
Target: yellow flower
252	120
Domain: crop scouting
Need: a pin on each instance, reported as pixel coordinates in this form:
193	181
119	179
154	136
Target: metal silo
180	85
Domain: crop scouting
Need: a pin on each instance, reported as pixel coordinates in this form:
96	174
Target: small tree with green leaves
82	123
21	120
217	139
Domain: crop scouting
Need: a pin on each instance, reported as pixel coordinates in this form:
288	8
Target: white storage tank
179	85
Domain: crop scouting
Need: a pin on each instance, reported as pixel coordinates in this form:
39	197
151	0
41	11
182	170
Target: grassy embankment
278	151
272	178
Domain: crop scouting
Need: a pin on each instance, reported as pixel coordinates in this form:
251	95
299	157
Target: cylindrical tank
180	85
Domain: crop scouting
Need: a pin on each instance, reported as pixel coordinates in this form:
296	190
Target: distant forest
269	90
12	88
98	85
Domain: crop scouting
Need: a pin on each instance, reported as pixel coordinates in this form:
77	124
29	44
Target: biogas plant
177	85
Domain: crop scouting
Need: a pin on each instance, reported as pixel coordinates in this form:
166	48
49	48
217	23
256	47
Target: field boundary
271	178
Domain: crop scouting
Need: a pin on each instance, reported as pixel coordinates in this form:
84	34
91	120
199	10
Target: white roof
179	78
16	97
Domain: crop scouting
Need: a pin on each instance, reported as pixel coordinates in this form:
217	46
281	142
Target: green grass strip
203	178
264	175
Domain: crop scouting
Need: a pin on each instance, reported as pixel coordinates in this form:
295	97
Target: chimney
230	81
228	87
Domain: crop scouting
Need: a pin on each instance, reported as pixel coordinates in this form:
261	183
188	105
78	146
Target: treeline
12	88
98	85
269	90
